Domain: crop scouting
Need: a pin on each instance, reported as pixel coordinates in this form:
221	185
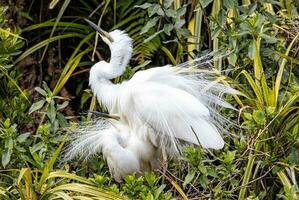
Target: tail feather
87	140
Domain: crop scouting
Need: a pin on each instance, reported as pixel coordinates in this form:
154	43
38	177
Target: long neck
121	52
120	57
105	91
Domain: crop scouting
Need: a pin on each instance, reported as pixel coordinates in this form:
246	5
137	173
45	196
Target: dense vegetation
46	51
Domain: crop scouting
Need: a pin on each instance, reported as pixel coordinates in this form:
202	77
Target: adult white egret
159	109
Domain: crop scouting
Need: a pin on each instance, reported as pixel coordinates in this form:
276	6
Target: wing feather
173	113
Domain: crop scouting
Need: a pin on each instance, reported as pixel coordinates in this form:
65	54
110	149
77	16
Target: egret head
121	49
115	37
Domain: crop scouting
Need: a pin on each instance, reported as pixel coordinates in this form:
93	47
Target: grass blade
44	43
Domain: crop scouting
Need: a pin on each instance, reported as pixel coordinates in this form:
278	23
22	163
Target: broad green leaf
7	123
167	3
179	23
6	157
204	3
156	9
188	178
230	4
36	147
46	87
41	91
202	169
269	39
181	11
247	116
36	106
21	138
184	32
232	59
61	120
167	28
229	156
170	13
151	23
259	117
51	112
9	144
144	6
62	106
204	181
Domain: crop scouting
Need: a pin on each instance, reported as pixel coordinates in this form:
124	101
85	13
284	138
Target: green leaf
203	180
63	105
170	13
167	3
21	138
269	39
6	157
212	172
36	106
41	91
247	116
184	32
167	28
7	123
229	157
188	178
229	4
156	9
179	23
259	117
151	23
36	147
232	59
251	49
9	144
181	11
144	6
51	112
61	119
202	169
46	87
204	3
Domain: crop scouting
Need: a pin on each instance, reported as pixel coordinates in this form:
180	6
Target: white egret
160	109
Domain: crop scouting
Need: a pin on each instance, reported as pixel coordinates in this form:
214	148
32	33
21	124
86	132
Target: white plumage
159	109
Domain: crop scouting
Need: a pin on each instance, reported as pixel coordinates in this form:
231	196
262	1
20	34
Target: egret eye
99	30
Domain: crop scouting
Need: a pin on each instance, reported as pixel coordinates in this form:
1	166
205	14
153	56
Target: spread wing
177	103
173	114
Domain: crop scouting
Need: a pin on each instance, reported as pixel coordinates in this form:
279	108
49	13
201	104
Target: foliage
260	159
39	184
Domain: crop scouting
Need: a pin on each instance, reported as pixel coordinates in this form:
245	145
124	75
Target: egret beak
99	30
